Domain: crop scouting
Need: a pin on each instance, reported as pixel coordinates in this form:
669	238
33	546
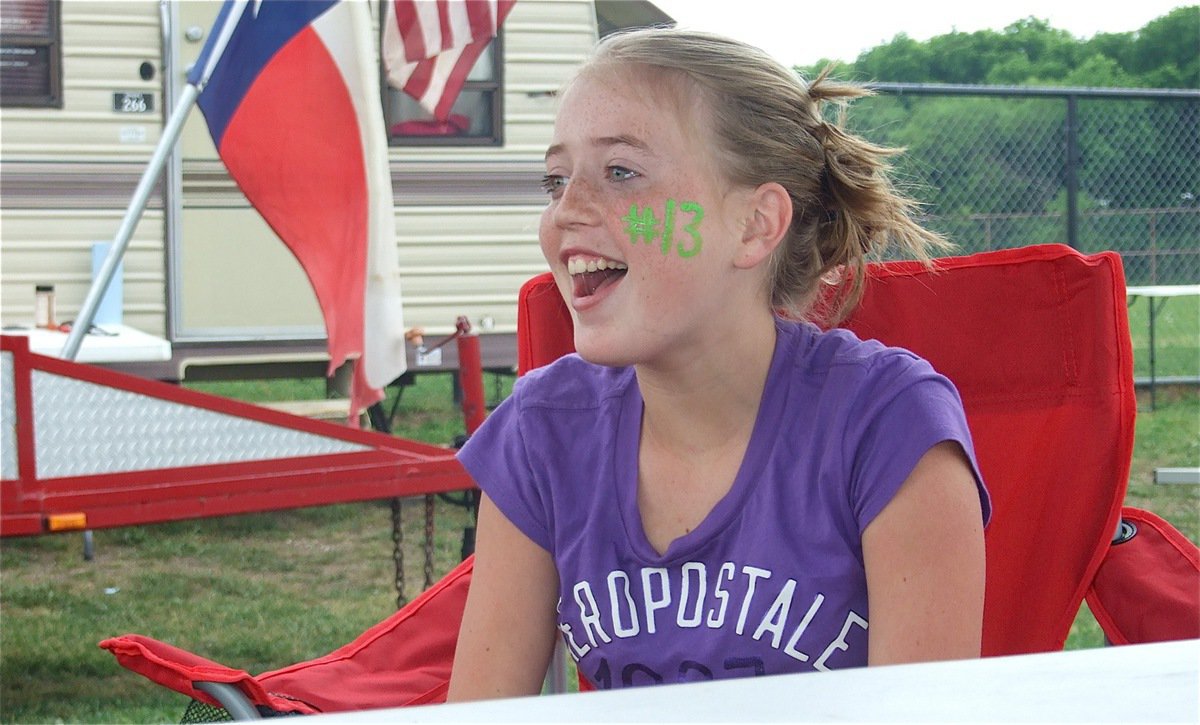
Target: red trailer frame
379	466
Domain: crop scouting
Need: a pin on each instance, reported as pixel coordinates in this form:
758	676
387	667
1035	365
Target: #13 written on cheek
643	224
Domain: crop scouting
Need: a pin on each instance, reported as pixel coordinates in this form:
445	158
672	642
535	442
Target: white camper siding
543	46
103	46
467	217
466	261
70	172
32	238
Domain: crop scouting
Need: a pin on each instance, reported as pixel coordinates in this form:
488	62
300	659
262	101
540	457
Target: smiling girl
712	486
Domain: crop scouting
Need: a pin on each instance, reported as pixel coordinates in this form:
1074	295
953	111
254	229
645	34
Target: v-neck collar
762	439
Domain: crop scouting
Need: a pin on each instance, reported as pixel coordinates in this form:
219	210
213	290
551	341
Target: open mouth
589	276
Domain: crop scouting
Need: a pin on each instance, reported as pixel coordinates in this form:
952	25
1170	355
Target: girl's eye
620	173
553	183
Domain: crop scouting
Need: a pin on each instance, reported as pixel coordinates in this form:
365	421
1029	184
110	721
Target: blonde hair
770	127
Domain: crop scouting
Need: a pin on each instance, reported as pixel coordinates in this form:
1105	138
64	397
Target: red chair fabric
545	331
403	660
1037	341
1148	587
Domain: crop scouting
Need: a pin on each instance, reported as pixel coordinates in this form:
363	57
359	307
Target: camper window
475	119
30	54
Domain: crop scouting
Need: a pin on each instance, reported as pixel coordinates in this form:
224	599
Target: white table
1153	293
1163	290
1135	683
124	344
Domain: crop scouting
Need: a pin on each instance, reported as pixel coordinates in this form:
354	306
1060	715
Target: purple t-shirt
772	580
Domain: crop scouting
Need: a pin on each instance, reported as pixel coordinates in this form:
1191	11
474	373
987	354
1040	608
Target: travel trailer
86	88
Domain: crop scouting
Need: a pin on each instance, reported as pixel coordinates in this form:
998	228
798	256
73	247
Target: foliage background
1042	137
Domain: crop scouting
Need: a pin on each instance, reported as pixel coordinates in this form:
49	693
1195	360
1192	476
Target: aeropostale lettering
749	600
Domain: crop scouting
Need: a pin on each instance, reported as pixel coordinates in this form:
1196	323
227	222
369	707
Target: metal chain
398	552
429	501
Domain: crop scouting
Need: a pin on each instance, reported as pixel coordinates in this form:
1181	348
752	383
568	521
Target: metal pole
470	376
83	321
1153	376
1072	173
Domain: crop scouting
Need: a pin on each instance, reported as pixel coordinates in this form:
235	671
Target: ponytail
859	215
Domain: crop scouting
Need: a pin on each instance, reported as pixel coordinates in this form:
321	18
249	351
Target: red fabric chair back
1037	341
544	328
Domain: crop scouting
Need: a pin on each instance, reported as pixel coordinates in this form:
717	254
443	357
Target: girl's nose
578	204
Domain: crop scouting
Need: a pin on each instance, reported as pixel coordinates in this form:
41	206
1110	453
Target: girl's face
640	230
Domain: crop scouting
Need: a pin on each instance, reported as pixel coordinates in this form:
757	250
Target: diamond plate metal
82	429
8	419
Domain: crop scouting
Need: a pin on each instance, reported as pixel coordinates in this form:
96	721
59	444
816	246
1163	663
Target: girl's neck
710	399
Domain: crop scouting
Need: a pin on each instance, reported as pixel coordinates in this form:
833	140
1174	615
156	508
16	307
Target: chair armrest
231	698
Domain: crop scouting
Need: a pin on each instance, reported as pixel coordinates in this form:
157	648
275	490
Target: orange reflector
66	522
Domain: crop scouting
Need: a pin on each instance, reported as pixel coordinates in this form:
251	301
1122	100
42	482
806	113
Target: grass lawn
265	590
1176	336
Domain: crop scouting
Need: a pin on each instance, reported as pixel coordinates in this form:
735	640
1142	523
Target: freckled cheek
548	236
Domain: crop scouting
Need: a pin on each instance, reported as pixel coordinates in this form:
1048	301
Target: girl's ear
768	218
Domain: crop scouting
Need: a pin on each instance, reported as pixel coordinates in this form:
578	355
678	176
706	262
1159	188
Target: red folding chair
1148	586
1037	342
403	660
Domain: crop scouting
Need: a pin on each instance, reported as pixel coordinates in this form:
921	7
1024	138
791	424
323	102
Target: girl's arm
925	564
508	628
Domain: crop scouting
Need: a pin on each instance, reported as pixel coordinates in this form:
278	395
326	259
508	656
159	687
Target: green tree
902	60
1168	49
1163	54
992	170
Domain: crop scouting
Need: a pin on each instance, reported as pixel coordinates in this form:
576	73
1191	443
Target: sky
802	32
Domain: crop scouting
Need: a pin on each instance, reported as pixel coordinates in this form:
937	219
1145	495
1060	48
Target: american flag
429	46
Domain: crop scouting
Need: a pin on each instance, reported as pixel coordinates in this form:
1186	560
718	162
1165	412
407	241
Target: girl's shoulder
840	353
572	382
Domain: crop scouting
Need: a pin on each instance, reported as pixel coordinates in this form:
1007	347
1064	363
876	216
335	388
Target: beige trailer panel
40	248
69	173
104	45
202	266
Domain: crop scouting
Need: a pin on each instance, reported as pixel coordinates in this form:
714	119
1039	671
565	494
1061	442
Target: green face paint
643	224
692	229
639	224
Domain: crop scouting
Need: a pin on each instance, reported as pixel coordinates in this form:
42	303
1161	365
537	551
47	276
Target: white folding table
1132	683
1154	293
106	344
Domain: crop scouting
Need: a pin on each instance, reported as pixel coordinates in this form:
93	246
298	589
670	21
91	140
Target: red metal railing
383	466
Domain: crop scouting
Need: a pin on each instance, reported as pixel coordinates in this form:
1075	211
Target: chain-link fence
1097	169
1093	168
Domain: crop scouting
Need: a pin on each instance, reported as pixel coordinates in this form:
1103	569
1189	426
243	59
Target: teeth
577	265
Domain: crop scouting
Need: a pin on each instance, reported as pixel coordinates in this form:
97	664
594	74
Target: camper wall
202	266
67	174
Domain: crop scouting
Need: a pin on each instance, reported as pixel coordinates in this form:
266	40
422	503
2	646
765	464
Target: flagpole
141	196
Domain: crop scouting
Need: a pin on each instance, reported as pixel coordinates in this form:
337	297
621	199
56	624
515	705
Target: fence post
1072	172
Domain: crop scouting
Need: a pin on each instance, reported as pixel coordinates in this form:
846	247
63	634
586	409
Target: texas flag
290	92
